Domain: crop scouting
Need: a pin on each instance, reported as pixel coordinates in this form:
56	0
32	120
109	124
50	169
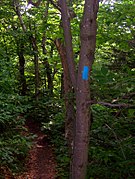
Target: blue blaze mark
85	73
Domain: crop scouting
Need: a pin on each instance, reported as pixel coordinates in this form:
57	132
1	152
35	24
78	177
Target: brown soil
41	162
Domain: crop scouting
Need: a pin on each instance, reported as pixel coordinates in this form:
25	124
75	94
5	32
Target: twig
129	95
55	5
17	10
120	105
115	135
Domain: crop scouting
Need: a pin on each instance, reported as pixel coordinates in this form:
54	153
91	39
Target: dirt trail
41	163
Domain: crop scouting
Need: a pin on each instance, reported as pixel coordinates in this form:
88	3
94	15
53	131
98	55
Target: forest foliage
111	151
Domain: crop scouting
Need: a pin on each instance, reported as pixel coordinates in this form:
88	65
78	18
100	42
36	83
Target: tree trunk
49	77
32	39
68	96
36	65
83	120
20	51
68	42
82	84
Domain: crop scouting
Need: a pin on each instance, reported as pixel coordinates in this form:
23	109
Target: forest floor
40	163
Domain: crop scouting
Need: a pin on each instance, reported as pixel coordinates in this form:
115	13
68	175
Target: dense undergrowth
111	144
14	140
111	151
60	146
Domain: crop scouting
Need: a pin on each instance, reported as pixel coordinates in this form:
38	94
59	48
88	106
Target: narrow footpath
41	162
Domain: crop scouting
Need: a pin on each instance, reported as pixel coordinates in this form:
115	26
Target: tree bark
20	52
49	76
83	120
81	85
68	42
36	65
16	7
32	39
68	96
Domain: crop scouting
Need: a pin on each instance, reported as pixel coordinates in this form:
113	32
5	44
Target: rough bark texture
82	126
68	95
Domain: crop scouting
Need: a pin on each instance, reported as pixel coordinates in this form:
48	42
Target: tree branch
68	41
17	10
110	105
45	16
55	5
128	95
115	135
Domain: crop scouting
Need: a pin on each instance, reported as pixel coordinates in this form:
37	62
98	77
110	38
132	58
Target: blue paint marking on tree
85	73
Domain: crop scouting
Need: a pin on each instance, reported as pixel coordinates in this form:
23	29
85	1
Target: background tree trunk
36	65
20	52
16	6
49	76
